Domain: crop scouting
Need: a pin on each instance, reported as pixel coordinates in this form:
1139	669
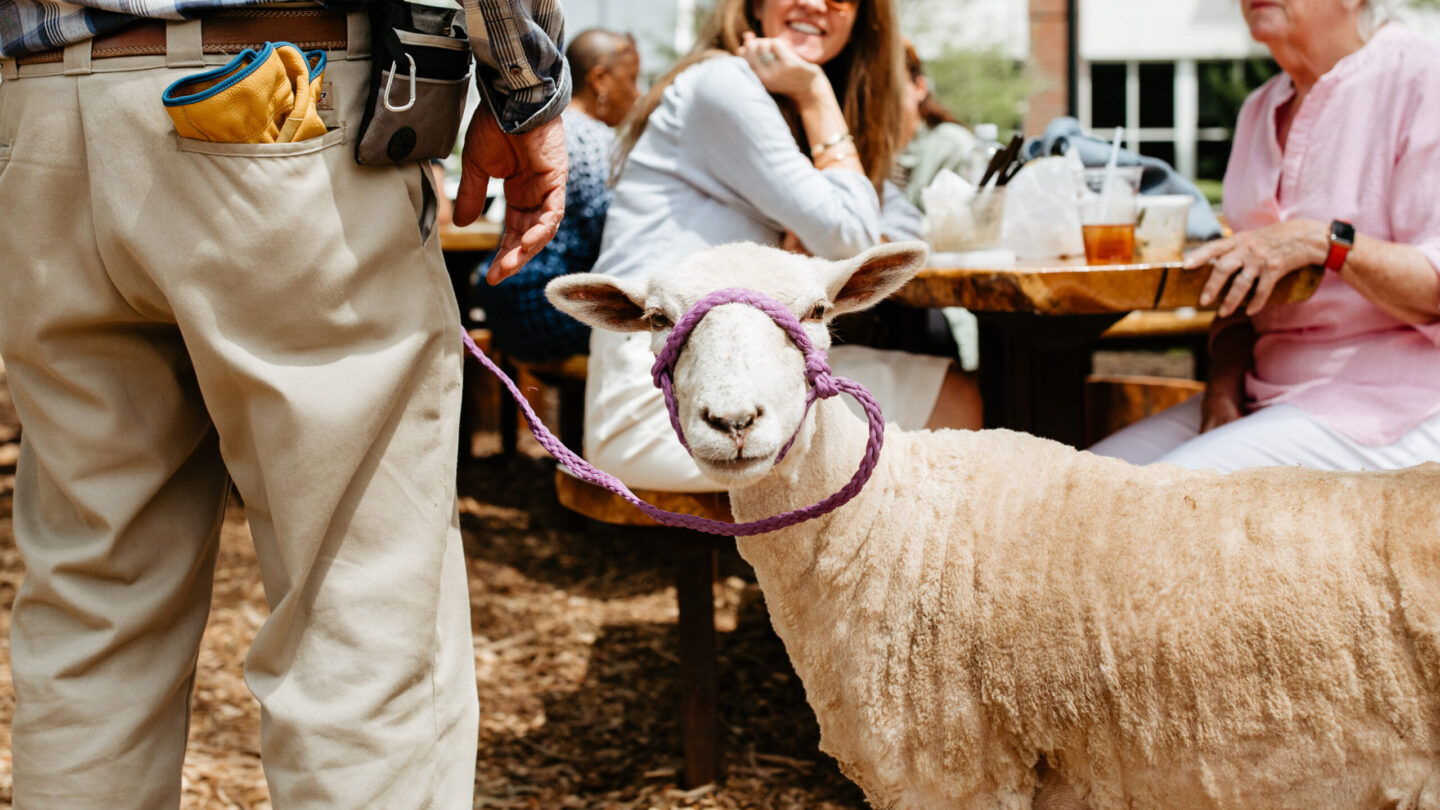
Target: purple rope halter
822	385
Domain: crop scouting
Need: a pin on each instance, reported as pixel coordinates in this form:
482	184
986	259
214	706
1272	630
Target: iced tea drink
1107	214
1109	244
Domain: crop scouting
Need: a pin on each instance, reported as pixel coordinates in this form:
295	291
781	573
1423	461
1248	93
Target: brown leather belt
228	31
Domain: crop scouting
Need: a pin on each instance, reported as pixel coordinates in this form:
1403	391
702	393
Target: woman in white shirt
785	118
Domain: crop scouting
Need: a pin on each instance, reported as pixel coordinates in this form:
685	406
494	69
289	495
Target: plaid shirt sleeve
31	26
520	50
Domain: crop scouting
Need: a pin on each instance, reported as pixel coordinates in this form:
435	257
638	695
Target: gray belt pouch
421	69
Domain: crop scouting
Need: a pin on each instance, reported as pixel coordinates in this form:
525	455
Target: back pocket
330	139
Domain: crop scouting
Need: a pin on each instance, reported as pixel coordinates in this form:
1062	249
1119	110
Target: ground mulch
575	652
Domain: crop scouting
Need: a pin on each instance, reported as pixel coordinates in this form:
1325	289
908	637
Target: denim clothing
522	322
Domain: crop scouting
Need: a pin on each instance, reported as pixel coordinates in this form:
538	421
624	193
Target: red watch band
1342	238
1336	257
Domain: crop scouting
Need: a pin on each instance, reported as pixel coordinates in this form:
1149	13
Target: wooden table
1039	322
478	236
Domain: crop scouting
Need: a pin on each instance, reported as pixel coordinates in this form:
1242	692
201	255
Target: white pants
627	427
176	314
1280	435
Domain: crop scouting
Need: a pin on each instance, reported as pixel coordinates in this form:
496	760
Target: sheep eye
817	312
657	320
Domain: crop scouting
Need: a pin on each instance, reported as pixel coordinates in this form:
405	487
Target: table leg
699	715
1033	370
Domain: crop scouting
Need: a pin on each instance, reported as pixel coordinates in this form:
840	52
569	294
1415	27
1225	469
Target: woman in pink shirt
1347	137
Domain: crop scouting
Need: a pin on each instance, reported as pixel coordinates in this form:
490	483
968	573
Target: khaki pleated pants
174	315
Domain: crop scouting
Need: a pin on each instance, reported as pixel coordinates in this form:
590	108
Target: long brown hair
867	77
932	112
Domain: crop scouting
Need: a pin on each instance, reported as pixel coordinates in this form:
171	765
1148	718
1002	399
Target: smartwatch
1342	238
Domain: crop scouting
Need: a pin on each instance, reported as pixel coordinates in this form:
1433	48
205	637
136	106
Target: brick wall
1049	51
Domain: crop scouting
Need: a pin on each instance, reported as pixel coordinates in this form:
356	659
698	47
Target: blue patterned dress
521	322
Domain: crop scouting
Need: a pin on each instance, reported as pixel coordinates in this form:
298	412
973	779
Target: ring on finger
766	58
1245	274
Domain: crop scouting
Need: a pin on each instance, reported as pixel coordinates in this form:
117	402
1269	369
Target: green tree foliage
981	86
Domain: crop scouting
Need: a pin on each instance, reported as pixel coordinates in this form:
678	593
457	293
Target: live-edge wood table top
1070	287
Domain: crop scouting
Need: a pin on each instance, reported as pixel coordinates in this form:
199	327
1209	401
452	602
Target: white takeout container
1160	226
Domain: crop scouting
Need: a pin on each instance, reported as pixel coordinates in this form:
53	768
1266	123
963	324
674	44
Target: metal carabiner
391	82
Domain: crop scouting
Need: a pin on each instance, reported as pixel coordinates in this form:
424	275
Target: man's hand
534	166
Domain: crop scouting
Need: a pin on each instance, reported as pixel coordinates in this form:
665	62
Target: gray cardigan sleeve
734	132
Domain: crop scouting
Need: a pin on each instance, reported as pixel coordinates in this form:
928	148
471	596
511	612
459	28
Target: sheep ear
865	280
599	301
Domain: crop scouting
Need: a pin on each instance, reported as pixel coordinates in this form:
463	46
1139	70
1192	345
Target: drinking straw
1109	177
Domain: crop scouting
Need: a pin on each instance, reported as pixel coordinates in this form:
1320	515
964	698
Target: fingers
1240	286
1207	252
527	232
1264	285
507	261
766	53
757	54
470	199
1220	272
483	140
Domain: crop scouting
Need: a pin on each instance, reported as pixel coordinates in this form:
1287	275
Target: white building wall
1146	30
934	25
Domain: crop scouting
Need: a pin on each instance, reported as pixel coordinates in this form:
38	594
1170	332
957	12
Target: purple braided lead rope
822	385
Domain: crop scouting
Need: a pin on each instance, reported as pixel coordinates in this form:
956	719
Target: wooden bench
1143	324
567	377
1113	401
694	586
1164	329
478	394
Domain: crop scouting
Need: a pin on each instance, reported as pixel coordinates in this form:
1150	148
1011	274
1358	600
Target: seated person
932	136
933	140
747	138
1349	379
604	66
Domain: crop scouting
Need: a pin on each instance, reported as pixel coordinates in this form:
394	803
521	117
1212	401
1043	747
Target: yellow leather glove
264	96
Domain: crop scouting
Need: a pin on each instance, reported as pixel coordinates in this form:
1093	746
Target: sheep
994	606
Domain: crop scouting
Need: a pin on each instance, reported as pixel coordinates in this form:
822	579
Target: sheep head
739	383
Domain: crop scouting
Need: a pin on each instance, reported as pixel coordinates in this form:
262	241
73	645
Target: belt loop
357	35
183	44
77	58
9	70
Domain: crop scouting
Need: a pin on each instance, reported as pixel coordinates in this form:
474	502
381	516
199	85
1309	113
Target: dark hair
932	112
866	76
591	47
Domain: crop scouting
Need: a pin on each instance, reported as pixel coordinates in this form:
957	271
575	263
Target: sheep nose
735	423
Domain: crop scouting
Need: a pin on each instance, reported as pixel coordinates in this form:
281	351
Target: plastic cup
1108	213
974	225
1160	226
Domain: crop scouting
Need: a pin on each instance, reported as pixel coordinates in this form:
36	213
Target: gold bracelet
836	155
817	149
